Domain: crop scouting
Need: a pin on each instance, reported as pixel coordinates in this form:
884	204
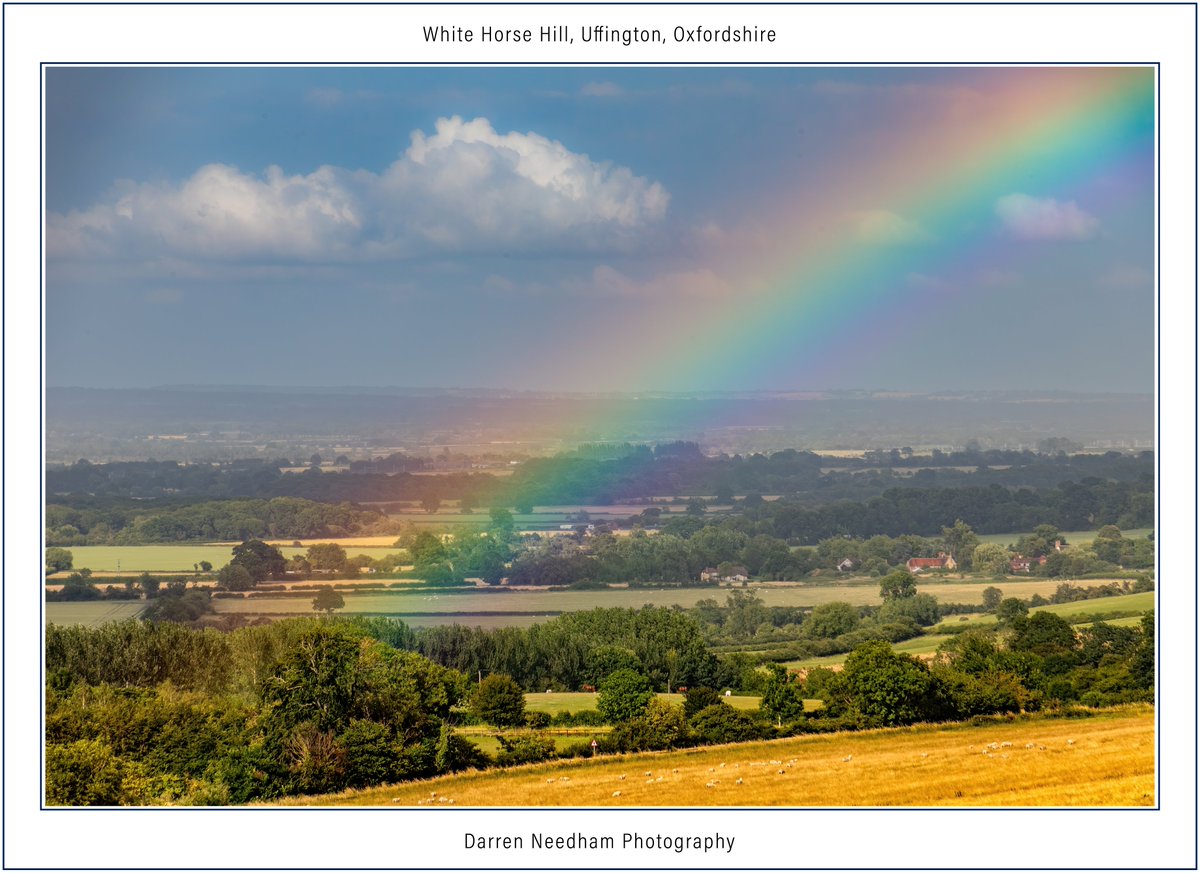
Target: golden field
1106	759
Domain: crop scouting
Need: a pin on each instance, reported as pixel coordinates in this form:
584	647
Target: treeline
97	521
593	477
143	713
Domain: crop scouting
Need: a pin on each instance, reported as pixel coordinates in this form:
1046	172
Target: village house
846	565
941	562
1021	564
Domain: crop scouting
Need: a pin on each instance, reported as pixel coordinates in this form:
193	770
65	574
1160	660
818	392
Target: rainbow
1046	133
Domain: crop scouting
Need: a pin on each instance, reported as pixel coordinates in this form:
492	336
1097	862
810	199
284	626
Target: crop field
530	606
1079	612
1106	760
180	558
92	613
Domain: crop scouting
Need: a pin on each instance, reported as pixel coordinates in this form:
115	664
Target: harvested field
1106	760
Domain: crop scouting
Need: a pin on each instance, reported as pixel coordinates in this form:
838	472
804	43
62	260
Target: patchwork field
1106	760
1079	612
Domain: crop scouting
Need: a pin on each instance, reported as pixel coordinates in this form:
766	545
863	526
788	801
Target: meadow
576	701
1078	612
1105	760
1071	537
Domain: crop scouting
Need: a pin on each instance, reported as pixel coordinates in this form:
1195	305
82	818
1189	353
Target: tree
888	686
206	566
898	584
1010	609
990	559
829	620
697	506
327	600
782	698
698	698
58	559
235	577
961	541
260	560
623	695
660	725
992	597
431	503
326	557
500	701
721	723
149	585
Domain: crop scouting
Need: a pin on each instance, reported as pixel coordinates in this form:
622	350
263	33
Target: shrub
721	723
524	749
660	726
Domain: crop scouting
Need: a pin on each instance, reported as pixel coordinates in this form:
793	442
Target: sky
601	229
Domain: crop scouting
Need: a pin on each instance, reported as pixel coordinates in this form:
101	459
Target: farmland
1077	612
574	701
1104	760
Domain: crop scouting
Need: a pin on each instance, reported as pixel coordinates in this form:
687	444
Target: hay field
1104	760
92	613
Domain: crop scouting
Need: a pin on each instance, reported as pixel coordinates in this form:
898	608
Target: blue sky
506	227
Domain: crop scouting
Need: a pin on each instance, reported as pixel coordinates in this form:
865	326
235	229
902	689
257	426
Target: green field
923	645
1079	612
92	613
1072	537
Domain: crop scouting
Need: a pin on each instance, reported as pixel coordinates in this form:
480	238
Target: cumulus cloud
880	227
1044	218
465	188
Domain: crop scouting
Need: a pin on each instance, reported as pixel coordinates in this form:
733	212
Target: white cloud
465	188
880	227
601	89
1044	218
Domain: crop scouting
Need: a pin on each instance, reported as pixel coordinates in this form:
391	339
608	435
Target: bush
721	723
524	749
660	726
83	773
699	698
537	720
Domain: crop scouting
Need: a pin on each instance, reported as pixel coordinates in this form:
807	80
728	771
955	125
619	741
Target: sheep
616	794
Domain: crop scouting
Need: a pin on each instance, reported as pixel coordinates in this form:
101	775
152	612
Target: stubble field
1106	760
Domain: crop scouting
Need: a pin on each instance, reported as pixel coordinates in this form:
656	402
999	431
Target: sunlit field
576	701
1103	761
92	612
1071	537
1080	611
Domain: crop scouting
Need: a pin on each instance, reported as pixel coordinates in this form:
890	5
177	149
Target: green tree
829	620
58	559
990	559
961	542
992	597
431	503
206	566
697	506
1011	609
623	695
898	584
661	725
235	577
83	773
500	701
327	600
260	560
888	686
326	557
721	723
698	698
782	697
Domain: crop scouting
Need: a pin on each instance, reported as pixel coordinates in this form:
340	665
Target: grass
1072	537
923	645
92	613
1106	760
1079	612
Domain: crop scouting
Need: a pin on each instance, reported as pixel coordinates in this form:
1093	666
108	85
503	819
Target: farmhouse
846	565
1021	564
735	573
941	562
